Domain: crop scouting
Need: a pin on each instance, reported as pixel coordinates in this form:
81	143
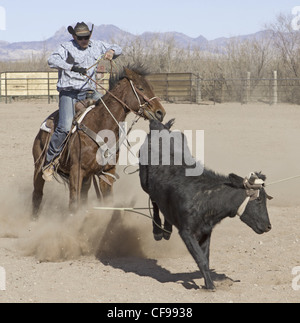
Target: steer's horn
254	182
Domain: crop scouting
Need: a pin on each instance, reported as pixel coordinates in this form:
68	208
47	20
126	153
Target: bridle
252	185
142	107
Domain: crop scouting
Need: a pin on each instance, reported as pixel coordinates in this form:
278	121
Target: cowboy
73	60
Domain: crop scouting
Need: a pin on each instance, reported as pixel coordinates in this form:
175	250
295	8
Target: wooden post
48	88
222	91
6	88
198	89
167	84
275	88
248	87
214	92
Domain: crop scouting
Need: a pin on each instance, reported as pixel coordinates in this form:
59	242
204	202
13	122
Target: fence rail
171	87
15	85
175	87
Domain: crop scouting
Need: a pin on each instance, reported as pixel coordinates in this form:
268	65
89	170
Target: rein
139	114
125	106
95	137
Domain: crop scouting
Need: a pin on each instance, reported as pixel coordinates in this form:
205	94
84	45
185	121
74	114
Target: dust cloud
58	236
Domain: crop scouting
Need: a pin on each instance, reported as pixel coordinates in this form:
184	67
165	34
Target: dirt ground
99	256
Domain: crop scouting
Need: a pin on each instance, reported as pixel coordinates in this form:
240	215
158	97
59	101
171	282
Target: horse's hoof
158	236
167	236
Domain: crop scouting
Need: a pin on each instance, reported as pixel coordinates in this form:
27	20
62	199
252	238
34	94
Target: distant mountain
19	50
180	39
223	41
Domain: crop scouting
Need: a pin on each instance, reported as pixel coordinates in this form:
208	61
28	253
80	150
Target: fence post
49	88
275	88
248	87
167	75
6	88
214	89
198	90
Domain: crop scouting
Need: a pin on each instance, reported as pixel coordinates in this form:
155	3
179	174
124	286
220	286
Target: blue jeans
67	100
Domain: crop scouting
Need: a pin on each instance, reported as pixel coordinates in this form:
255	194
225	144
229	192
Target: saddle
80	107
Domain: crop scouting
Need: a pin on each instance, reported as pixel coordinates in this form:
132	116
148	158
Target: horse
129	91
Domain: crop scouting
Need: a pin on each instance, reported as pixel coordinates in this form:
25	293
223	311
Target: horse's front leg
37	195
75	185
106	188
86	185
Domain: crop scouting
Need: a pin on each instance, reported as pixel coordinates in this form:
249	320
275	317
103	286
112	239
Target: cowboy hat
81	29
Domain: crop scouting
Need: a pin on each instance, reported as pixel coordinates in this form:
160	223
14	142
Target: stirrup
48	170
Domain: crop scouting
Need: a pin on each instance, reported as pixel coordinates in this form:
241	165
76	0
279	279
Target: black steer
195	204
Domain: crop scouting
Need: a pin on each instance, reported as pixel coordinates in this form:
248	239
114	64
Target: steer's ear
170	124
156	125
236	181
261	176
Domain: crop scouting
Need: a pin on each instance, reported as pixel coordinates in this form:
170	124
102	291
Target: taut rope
283	180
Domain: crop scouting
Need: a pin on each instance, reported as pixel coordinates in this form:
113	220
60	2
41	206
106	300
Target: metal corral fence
180	87
254	90
171	87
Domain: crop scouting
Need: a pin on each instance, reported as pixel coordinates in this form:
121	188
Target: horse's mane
138	68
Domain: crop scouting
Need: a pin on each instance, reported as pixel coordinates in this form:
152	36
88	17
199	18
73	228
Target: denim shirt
69	54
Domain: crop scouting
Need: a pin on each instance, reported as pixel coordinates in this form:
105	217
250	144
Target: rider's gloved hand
78	69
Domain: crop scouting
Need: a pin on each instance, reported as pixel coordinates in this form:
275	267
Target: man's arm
109	49
58	59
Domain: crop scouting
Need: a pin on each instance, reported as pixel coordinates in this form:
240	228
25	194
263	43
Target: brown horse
78	162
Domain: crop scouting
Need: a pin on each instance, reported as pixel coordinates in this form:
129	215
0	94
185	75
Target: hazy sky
25	20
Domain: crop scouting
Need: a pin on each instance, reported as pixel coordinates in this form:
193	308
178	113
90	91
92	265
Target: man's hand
109	54
78	69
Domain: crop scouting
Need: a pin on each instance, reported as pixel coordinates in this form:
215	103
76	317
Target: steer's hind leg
167	230
157	230
199	256
204	243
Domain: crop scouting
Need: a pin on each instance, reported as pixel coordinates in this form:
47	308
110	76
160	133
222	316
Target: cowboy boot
49	169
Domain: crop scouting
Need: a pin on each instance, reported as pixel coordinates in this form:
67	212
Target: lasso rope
136	211
283	180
